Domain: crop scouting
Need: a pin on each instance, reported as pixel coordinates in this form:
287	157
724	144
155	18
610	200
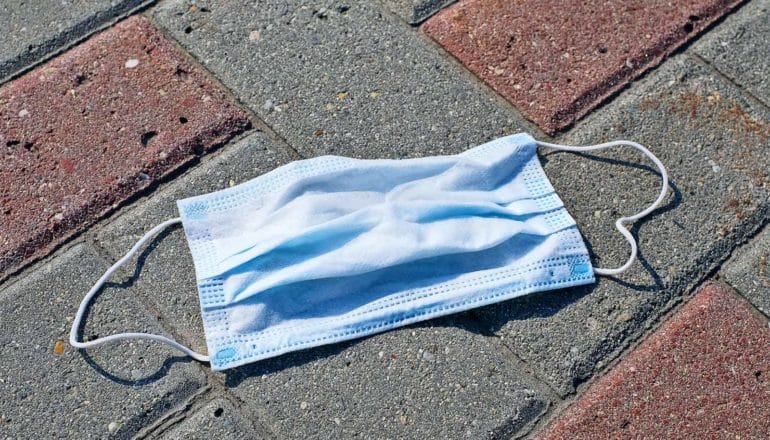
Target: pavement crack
746	92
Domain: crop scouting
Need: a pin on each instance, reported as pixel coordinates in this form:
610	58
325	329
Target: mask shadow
151	377
235	376
104	370
673	203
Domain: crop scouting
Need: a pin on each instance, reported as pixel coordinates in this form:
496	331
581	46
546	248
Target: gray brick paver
749	270
114	389
440	379
354	81
738	48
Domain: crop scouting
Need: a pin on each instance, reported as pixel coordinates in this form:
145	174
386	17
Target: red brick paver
94	125
704	374
556	60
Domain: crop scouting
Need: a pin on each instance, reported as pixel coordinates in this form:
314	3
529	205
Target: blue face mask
332	248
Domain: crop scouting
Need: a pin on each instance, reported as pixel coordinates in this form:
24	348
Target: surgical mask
332	248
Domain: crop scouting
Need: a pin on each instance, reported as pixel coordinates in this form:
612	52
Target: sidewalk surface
110	111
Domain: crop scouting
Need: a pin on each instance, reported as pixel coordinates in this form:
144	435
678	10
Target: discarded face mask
333	248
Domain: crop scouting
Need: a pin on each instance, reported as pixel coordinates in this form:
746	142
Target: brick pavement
124	93
352	80
749	271
50	390
718	198
556	61
703	372
362	79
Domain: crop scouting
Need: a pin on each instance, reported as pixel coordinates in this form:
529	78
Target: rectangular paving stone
167	275
738	48
748	271
33	30
339	78
217	419
556	61
416	11
440	379
703	374
713	141
94	126
51	390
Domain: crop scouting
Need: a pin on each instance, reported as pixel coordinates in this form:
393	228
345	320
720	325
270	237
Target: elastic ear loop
125	336
619	224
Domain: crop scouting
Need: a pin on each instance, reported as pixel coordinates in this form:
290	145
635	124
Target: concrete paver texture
51	390
738	48
441	379
749	271
217	419
353	81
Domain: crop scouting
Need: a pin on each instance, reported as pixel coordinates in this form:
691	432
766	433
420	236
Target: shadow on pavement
672	204
146	380
234	376
163	369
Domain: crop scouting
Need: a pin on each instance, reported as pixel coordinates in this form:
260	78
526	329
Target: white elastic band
619	224
124	336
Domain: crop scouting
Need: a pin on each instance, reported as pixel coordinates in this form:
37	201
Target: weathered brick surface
558	60
704	374
95	125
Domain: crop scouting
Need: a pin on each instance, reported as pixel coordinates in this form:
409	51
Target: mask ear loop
125	336
622	221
